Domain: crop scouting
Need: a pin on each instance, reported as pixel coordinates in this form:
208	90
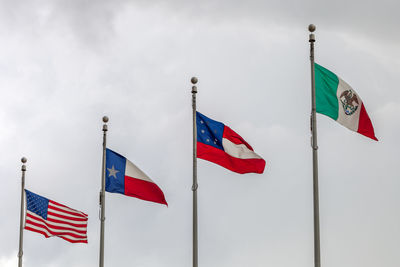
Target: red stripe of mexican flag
336	99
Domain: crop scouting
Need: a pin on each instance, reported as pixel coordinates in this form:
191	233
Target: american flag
50	218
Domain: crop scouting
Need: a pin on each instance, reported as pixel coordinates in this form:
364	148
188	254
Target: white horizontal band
238	151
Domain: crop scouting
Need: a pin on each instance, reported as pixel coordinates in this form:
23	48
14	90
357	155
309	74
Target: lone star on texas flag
112	172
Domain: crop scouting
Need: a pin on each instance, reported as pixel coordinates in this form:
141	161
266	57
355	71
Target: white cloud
9	261
66	64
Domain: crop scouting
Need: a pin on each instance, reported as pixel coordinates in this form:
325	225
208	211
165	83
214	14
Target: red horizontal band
221	158
144	190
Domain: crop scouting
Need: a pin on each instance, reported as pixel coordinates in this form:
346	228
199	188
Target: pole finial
194	80
105	119
23	160
311	28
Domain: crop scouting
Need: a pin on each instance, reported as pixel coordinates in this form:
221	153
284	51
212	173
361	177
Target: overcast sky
64	64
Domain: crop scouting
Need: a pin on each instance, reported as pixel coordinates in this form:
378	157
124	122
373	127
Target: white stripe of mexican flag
336	99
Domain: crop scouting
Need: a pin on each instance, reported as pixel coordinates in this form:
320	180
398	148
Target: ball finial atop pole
105	120
312	28
194	80
23	160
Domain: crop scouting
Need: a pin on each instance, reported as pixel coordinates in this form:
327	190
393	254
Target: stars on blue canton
209	131
37	204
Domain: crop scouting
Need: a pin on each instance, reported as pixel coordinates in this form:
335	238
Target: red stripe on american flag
58	224
57	229
74	241
37	231
76	214
39	222
80	212
63	237
53	232
71	224
53	222
82	219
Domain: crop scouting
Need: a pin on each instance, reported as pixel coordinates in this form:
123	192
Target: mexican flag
336	99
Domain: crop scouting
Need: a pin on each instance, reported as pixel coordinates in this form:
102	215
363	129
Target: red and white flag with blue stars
50	218
219	144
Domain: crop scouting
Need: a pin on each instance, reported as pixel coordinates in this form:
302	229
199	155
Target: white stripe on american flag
44	228
69	211
34	220
38	219
47	234
64	222
55	220
59	212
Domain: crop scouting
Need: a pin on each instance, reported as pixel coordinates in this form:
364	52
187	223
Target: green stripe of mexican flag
336	99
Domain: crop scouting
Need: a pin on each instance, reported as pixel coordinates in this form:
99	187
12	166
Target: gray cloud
66	64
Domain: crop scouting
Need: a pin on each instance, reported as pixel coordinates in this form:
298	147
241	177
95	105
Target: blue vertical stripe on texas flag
115	172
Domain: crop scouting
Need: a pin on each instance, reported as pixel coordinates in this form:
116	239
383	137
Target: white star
208	140
201	121
112	172
202	131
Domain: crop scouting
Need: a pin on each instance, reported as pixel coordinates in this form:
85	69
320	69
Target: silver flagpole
102	193
195	185
314	145
21	218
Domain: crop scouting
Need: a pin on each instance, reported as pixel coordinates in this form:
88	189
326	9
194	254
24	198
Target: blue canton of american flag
50	218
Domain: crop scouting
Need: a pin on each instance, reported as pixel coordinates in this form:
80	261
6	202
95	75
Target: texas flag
122	176
218	143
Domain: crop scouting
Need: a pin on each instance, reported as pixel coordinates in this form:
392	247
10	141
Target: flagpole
314	145
195	185
102	193
21	218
